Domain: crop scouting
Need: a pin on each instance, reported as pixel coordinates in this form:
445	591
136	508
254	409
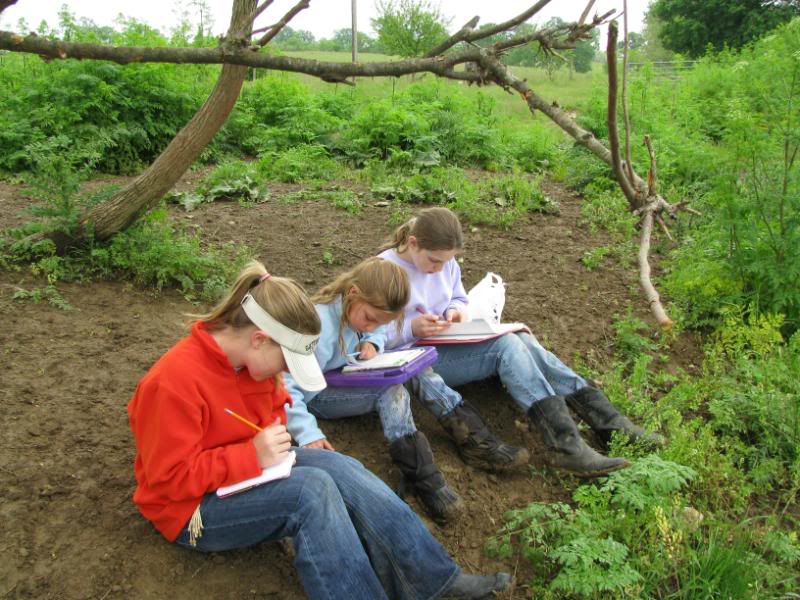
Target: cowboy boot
475	442
413	455
551	417
592	405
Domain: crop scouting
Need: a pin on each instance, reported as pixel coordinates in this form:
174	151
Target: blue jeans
526	369
353	537
392	403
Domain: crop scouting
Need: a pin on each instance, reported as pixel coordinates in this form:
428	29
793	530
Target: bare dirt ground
68	528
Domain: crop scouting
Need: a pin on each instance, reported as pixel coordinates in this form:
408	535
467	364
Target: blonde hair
379	283
434	229
281	297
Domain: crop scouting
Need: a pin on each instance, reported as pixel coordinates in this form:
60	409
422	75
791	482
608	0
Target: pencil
243	420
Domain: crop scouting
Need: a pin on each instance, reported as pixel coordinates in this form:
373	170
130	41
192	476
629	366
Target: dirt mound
68	528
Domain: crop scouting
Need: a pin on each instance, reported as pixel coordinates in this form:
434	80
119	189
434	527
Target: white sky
322	18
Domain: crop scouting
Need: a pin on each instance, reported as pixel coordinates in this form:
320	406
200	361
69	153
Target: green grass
570	91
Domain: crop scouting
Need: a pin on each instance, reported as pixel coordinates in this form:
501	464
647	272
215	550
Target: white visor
298	348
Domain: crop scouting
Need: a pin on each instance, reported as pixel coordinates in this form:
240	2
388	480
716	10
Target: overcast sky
322	18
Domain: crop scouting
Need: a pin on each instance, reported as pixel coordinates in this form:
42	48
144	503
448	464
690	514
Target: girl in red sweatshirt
354	538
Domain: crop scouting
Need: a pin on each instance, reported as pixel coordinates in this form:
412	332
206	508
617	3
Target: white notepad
385	361
280	470
474	331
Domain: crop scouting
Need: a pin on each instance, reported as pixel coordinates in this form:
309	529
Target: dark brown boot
592	405
412	454
551	417
476	444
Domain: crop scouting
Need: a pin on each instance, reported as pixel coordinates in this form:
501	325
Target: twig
251	20
276	29
613	135
626	116
585	12
664	227
651	174
459	36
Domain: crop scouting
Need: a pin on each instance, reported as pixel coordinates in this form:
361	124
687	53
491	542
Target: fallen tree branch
645	281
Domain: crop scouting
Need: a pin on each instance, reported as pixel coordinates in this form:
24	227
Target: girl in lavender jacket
542	386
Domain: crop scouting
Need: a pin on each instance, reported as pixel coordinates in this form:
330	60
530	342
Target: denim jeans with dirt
353	537
392	403
526	369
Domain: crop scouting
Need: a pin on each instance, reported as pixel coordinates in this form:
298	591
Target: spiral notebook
281	470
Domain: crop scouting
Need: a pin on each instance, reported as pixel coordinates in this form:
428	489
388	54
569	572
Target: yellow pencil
243	420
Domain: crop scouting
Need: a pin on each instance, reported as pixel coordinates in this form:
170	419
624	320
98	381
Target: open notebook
384	361
471	332
280	470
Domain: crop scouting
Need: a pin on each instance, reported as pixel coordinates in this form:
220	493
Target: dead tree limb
643	200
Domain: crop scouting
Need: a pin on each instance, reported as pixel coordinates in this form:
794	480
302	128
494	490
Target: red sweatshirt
186	445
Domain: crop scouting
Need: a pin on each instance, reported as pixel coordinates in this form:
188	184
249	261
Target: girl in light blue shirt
354	310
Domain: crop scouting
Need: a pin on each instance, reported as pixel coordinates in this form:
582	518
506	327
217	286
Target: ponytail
433	228
281	297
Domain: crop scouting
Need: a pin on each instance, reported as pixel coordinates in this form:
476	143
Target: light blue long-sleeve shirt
302	425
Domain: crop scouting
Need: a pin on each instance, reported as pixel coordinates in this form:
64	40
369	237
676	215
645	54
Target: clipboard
382	377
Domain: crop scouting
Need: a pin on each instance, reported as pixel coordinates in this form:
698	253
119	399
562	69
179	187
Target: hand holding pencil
427	324
272	443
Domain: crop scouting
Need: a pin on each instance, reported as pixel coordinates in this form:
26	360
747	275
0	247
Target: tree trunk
149	187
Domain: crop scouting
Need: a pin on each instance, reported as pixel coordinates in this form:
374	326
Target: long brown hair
379	283
435	228
281	297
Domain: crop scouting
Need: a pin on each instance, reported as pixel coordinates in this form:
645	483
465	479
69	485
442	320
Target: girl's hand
456	316
322	444
272	444
427	325
367	350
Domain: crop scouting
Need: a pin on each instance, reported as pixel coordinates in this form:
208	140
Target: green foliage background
726	135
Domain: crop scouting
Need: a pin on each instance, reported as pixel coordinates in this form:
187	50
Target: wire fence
666	68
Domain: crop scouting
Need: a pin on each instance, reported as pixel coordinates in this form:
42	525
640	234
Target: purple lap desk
382	377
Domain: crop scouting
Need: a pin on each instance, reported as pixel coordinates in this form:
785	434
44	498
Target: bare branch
664	228
254	15
613	136
625	116
551	109
487	31
459	36
651	173
585	12
302	5
644	273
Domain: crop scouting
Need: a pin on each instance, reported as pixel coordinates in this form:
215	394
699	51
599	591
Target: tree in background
342	41
295	39
692	26
408	27
583	54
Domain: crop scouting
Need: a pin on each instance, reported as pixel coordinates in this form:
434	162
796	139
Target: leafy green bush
299	163
152	251
274	113
109	117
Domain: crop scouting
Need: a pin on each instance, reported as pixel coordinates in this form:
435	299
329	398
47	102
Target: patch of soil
68	528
